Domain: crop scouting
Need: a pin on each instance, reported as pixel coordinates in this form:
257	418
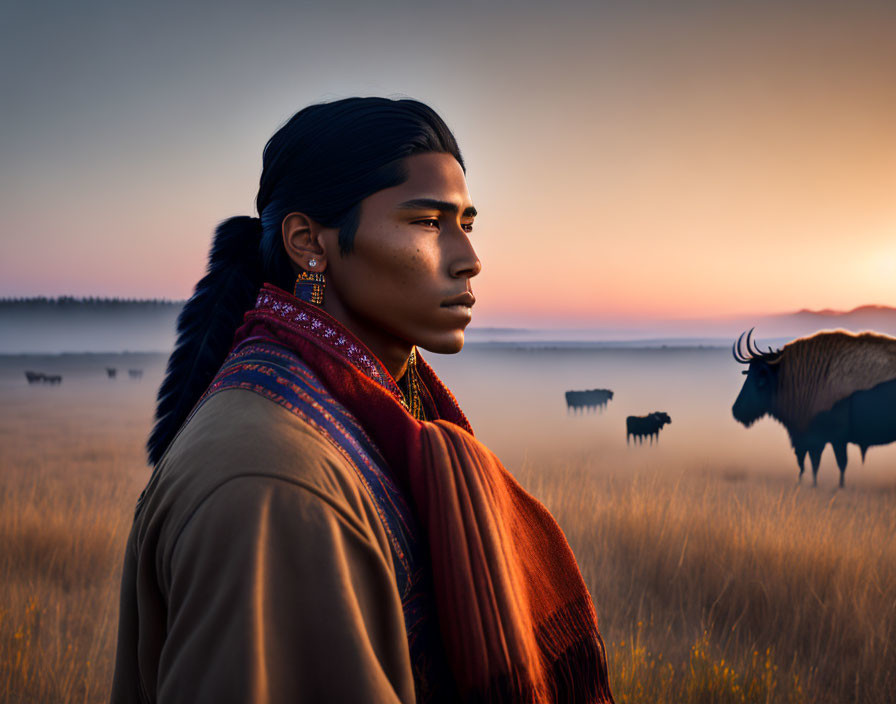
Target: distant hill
804	322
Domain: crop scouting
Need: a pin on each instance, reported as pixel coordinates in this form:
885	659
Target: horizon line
646	317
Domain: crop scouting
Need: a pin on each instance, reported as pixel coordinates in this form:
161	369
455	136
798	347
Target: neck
392	352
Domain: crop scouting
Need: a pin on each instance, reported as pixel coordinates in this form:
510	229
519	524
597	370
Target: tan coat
258	570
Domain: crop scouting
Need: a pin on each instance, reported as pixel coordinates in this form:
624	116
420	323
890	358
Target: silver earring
312	262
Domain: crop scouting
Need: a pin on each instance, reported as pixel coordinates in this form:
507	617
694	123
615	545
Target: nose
467	269
465	264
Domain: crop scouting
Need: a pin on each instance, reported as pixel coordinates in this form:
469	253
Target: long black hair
323	162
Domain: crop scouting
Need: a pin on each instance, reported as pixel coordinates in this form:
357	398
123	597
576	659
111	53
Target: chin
445	343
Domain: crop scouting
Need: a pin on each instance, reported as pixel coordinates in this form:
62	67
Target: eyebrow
434	204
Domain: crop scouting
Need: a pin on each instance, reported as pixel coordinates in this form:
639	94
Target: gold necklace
410	388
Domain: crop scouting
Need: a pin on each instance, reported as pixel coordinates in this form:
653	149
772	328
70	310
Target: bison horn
736	350
752	350
752	347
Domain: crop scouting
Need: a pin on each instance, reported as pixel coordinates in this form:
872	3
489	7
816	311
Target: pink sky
625	164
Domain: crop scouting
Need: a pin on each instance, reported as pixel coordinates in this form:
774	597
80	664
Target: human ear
304	243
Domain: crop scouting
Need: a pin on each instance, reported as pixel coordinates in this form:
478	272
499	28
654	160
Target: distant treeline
88	303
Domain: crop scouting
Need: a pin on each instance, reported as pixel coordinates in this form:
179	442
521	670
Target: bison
832	387
41	378
595	398
649	425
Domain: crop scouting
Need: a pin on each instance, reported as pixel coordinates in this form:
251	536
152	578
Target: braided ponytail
206	325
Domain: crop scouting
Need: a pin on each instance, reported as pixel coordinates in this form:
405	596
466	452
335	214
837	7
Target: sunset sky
628	160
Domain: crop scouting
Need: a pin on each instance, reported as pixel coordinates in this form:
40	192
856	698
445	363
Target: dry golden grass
708	590
70	477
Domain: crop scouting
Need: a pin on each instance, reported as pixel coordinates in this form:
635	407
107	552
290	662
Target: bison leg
815	457
801	461
840	454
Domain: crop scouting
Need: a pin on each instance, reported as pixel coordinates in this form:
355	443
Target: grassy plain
710	589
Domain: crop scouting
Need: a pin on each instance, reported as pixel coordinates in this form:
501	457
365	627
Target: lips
466	299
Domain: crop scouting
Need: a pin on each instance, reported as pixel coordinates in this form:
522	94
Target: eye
428	222
468	226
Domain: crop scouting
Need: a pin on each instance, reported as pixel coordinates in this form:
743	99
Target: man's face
407	280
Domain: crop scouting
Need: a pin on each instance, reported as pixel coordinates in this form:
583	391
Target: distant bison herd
42	378
833	387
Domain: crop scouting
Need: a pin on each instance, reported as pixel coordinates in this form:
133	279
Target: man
321	524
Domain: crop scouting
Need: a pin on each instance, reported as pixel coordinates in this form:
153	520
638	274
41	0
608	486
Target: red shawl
514	612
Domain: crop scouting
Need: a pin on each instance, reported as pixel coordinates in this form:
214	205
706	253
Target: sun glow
882	261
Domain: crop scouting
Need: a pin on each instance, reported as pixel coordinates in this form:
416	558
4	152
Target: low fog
49	329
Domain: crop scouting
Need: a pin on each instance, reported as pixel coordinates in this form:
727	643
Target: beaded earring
310	286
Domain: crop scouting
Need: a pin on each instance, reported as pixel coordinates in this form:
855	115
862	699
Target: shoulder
238	432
